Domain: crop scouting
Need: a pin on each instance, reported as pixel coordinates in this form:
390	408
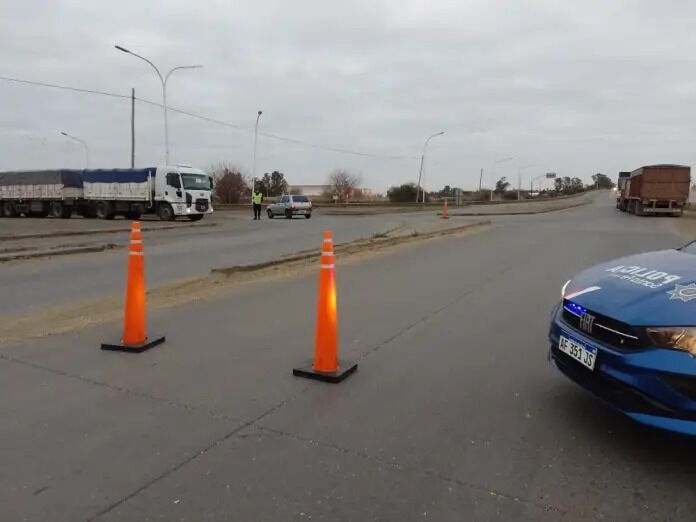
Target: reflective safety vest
256	198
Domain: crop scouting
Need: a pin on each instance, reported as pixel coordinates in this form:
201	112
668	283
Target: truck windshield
196	181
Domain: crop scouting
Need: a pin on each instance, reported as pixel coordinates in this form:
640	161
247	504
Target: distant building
320	190
309	190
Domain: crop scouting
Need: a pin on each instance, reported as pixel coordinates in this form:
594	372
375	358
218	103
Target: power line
210	120
63	87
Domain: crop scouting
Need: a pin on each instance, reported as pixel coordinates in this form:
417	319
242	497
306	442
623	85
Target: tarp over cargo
65	177
118	175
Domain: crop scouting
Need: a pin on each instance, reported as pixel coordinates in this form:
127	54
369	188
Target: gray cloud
573	87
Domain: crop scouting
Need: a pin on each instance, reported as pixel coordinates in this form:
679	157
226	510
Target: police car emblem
683	292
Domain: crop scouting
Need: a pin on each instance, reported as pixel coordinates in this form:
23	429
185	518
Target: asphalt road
175	254
454	413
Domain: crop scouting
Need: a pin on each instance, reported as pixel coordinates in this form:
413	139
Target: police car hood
651	289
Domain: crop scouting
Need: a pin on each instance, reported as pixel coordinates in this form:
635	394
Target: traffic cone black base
308	372
134	348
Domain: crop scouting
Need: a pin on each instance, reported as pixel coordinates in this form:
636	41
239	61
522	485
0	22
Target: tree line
231	186
565	185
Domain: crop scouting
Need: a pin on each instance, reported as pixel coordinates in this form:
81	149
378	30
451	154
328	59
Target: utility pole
480	180
132	128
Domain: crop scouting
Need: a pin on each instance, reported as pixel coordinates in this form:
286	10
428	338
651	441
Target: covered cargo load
119	184
661	182
41	184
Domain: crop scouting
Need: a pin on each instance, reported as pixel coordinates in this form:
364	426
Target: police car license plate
585	355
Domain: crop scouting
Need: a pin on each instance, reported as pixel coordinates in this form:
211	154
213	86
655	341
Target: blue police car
626	331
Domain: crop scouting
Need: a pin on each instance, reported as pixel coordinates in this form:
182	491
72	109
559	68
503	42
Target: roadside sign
550	175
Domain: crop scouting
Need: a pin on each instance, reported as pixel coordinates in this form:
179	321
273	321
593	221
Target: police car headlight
674	337
564	288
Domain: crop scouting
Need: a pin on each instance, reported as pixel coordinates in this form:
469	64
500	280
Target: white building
309	190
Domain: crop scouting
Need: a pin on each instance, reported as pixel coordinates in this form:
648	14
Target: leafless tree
342	183
229	182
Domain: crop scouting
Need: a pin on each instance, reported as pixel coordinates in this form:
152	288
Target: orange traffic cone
445	214
326	366
134	337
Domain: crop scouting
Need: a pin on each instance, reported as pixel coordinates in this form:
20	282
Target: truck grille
618	335
202	205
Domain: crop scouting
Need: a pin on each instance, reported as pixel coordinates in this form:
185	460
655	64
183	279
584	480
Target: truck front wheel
165	212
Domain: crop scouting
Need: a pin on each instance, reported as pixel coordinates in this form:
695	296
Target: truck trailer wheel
638	207
105	210
165	212
58	210
8	209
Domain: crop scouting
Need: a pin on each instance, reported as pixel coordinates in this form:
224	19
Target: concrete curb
15	256
350	247
92	231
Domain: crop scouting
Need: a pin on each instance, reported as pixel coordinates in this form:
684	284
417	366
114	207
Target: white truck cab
182	190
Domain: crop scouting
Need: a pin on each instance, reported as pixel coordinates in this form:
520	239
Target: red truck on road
655	189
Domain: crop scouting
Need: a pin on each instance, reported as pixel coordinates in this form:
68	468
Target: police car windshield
196	181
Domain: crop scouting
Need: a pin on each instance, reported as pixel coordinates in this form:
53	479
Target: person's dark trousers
257	211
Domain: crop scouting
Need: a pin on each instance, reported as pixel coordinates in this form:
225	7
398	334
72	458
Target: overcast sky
574	87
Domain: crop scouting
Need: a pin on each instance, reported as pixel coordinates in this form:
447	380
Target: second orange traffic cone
134	314
326	366
445	213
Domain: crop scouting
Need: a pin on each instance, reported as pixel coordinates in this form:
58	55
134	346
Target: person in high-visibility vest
256	199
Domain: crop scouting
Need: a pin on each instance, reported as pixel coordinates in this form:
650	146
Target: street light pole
422	161
493	170
253	166
163	81
519	178
84	144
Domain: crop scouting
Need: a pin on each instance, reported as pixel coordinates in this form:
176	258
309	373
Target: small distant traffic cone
134	337
445	214
326	366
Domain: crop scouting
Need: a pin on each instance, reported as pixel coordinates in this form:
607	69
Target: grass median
74	317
